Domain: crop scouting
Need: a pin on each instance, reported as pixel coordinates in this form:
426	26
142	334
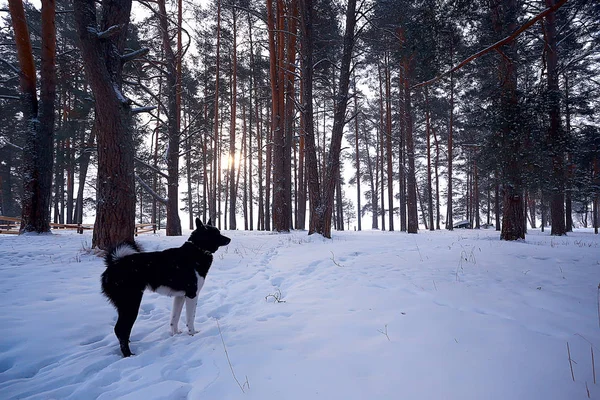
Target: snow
366	315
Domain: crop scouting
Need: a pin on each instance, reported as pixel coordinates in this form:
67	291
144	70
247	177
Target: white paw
192	331
175	331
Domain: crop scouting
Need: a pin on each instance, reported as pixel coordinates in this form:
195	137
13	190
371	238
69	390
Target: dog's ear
209	222
199	224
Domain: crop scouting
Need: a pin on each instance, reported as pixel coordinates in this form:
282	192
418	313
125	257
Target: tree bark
411	185
39	116
555	133
115	213
449	210
388	142
312	171
504	19
216	136
380	144
429	182
357	158
173	126
232	135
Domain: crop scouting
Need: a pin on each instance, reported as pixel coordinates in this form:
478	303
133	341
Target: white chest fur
167	291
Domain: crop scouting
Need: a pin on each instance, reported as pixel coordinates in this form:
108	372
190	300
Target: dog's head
207	237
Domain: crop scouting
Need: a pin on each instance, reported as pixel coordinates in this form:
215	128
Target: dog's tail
120	251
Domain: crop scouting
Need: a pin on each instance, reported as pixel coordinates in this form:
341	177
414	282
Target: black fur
126	278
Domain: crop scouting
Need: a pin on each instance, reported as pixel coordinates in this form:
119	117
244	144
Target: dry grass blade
229	361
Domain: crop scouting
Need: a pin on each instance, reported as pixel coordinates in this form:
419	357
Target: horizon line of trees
260	110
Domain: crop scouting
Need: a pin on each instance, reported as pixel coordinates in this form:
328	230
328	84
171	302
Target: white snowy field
367	315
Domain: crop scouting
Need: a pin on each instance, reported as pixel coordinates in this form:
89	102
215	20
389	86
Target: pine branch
148	189
111	31
137	160
496	45
12	67
139	110
134	54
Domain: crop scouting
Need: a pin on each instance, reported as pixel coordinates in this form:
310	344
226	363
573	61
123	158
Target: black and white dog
178	272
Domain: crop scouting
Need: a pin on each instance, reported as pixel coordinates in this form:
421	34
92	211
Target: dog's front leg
190	313
176	313
190	306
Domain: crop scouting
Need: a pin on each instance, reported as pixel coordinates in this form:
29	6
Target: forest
301	114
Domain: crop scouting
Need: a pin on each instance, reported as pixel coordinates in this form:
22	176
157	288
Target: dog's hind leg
176	314
128	310
190	313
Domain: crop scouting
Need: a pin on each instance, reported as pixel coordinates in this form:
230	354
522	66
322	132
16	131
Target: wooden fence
10	225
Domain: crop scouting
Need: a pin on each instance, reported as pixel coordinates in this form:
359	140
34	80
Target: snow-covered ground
367	315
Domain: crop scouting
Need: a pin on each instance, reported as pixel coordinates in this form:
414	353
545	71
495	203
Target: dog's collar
206	252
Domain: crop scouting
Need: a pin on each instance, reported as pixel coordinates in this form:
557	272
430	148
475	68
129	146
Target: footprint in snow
220	311
276	281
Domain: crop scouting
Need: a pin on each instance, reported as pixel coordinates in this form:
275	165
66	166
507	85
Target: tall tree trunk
173	126
381	140
155	177
504	20
339	206
232	186
39	116
290	105
281	153
555	133
301	192
115	213
476	193
388	136
596	195
570	166
312	170
244	155
70	179
373	183
251	91
339	119
268	173
411	186
429	183
497	212
402	154
216	134
437	182
449	210
357	153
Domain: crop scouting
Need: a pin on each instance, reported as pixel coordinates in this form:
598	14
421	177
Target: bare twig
419	250
4	142
593	365
384	332
277	296
570	362
229	361
333	259
588	389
